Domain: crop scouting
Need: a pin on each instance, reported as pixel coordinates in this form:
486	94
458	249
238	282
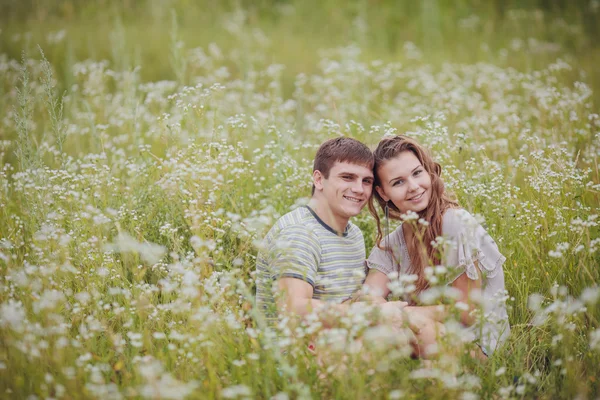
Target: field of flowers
131	212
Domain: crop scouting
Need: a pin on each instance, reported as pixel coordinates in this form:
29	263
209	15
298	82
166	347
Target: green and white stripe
302	246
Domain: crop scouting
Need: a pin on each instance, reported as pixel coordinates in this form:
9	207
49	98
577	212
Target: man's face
347	189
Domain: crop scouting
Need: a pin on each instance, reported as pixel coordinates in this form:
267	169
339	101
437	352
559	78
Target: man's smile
353	199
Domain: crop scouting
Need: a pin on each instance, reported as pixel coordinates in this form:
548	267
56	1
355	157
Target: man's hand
393	305
393	311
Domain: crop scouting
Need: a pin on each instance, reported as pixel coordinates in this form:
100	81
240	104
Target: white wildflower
13	315
235	391
150	252
396	394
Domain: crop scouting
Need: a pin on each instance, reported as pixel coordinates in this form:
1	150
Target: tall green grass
137	33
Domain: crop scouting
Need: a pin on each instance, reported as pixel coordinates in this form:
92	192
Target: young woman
408	180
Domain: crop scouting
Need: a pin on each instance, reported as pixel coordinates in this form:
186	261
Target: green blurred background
524	34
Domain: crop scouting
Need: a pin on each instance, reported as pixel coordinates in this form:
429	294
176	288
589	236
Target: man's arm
377	284
297	296
297	299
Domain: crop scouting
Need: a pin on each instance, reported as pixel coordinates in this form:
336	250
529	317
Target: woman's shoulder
456	220
385	258
473	243
394	243
394	239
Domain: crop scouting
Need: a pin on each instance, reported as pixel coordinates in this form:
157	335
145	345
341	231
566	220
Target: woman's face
405	182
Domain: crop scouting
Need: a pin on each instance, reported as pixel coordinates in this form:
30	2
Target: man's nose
358	186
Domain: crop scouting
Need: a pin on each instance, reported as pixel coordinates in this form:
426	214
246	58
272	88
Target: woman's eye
418	172
398	182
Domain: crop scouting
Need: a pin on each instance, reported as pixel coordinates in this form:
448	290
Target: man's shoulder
297	217
298	220
293	230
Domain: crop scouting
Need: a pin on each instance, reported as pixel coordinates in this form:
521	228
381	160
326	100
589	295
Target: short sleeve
467	243
387	260
296	254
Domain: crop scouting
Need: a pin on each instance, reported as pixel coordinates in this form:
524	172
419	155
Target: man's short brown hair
341	149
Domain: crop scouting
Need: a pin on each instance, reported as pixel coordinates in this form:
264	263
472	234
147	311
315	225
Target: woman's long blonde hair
419	247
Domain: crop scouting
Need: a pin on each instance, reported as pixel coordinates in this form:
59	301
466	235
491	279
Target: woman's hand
417	320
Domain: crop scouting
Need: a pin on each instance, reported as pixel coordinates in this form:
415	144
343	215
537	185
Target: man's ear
381	193
318	180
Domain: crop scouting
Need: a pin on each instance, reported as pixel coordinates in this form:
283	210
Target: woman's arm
377	284
466	286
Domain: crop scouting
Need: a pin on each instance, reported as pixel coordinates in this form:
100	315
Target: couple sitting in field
313	259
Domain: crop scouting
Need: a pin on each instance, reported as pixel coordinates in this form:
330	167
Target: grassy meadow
147	147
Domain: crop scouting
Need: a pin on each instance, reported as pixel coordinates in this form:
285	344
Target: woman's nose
412	184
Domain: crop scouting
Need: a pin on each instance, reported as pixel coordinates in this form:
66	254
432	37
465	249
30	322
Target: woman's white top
465	242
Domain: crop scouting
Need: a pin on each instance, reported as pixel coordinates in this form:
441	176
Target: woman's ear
381	193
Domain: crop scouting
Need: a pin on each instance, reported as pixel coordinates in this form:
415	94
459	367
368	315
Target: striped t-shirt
301	245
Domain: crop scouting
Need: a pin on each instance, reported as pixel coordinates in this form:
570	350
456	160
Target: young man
313	256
